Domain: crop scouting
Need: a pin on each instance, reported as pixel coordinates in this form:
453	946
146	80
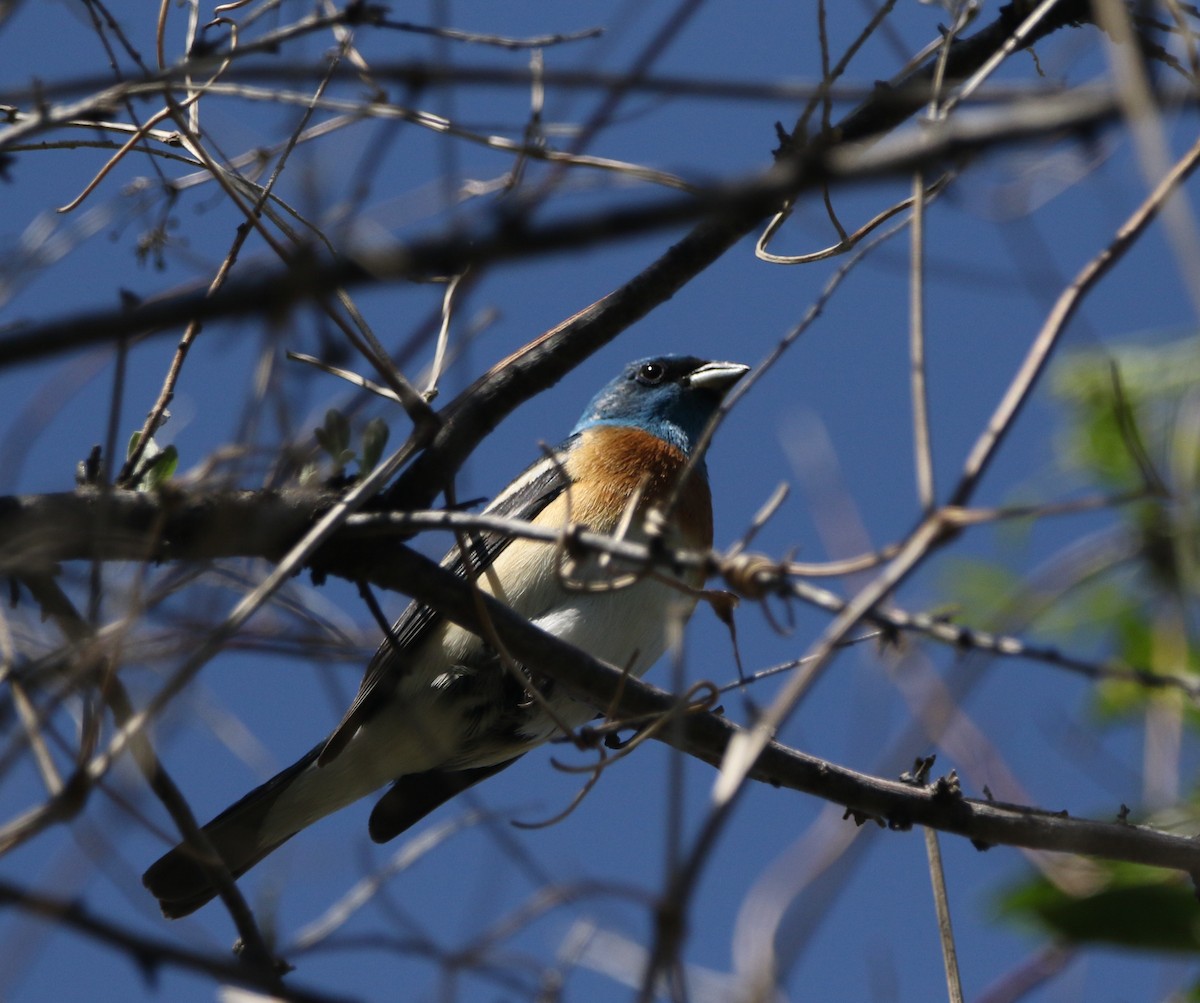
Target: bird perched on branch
438	710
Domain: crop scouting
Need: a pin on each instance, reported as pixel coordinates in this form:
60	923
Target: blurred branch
727	212
96	666
967	57
149	953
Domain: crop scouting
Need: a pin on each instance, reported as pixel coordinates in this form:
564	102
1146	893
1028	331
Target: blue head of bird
671	396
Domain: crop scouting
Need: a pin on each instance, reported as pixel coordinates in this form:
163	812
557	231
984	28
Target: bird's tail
242	835
270	815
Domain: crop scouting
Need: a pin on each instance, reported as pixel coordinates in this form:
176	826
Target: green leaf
982	591
156	466
334	438
337	428
374	438
160	469
1135	907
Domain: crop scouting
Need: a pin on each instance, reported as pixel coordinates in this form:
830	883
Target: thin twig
1019	391
941	901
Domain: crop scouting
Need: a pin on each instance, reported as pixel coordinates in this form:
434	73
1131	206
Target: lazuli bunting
438	710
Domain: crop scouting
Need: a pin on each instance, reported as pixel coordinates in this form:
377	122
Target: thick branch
133	526
197	524
37	531
705	736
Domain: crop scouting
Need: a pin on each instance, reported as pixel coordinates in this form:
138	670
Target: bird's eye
651	373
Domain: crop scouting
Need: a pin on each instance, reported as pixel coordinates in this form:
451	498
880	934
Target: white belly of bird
628	627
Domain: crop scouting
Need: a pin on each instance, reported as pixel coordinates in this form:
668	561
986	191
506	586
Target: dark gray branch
38	531
198	524
149	953
705	736
185	525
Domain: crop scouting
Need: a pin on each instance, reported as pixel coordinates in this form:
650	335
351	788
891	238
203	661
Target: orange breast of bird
612	465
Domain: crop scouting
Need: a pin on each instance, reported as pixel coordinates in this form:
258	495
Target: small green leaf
983	588
374	438
1141	908
161	469
337	428
334	438
156	466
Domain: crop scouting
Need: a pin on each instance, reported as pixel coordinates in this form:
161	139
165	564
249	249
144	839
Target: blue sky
832	420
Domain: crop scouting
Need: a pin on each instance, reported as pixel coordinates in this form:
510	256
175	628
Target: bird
438	710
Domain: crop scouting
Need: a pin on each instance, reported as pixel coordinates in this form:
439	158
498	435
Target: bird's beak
716	376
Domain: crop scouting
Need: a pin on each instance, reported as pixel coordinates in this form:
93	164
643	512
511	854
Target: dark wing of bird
536	488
